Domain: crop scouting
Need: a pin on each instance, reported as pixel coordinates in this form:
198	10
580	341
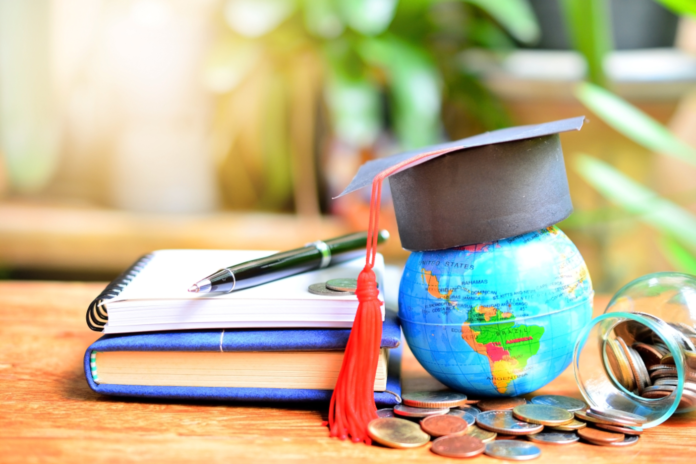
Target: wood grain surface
49	414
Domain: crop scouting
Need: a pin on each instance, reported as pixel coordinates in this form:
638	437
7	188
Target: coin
397	433
433	399
626	430
673	381
618	415
570	426
627	441
442	426
648	353
409	411
473	410
641	381
618	364
690	357
387	412
483	435
342	285
458	446
659	367
641	371
542	414
320	289
500	404
469	418
688	398
512	450
664	372
582	415
601	436
554	438
563	402
503	422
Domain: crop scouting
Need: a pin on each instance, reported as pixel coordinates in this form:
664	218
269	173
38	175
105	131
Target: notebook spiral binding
97	316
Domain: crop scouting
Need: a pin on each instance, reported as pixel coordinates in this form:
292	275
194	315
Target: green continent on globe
507	346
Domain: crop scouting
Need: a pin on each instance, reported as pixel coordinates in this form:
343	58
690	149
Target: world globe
500	318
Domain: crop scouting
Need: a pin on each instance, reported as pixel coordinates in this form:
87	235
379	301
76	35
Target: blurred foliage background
172	123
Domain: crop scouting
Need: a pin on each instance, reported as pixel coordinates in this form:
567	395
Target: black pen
315	255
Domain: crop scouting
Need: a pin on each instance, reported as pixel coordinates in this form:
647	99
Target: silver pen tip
193	288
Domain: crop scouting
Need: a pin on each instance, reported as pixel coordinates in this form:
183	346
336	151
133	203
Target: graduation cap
479	189
483	188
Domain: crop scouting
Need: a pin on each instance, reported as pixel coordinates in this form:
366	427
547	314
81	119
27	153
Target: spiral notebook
152	296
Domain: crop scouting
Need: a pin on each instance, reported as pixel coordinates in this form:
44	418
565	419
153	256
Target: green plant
377	65
676	225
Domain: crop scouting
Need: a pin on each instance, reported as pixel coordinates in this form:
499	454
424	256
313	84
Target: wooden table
49	414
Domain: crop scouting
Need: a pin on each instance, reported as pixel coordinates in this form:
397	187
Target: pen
315	255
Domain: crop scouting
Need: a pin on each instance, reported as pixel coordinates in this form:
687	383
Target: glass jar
654	318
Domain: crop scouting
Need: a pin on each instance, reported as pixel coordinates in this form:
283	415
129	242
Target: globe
500	318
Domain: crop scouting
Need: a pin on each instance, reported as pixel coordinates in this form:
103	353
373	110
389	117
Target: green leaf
368	17
633	123
682	7
353	100
589	27
414	84
679	257
516	16
322	18
650	208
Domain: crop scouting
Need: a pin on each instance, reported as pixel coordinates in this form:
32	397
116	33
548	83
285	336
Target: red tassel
353	401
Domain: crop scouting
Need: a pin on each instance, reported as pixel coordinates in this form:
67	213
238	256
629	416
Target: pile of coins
464	428
335	287
639	361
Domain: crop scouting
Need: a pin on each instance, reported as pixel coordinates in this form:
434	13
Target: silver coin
641	370
473	410
674	382
342	285
409	411
320	289
433	399
387	412
623	417
563	402
554	438
470	419
512	450
504	423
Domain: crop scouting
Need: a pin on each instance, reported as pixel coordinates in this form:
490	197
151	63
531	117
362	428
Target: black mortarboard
479	189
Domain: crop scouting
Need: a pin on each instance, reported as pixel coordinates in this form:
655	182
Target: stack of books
273	342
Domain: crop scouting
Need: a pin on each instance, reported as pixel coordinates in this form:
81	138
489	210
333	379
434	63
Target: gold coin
572	425
542	414
639	381
483	435
582	415
617	364
397	433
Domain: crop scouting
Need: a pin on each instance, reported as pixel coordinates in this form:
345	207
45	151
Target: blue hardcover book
276	365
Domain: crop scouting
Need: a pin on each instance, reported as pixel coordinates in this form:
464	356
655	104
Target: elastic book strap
97	315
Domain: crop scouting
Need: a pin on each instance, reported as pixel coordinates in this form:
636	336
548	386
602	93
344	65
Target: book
152	296
293	364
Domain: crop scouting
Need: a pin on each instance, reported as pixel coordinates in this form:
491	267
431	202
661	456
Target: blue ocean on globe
499	318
